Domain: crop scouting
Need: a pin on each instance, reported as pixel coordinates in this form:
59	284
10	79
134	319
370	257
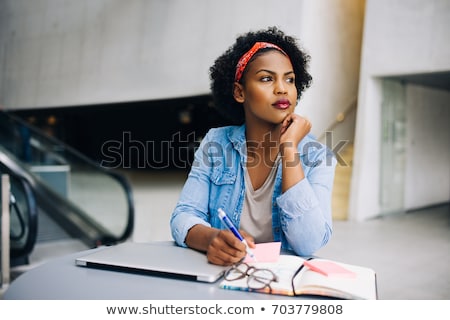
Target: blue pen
223	216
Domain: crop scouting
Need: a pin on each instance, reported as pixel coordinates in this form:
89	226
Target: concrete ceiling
438	80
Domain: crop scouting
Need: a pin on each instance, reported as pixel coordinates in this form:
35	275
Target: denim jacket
301	216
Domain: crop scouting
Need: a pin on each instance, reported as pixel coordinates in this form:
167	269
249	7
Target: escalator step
48	230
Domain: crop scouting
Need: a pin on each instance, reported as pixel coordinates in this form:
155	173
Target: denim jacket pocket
222	194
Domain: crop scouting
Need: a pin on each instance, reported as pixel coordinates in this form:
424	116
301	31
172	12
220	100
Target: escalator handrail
32	212
54	141
84	159
87	230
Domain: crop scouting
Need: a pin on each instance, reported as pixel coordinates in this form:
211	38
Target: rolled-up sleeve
305	209
192	206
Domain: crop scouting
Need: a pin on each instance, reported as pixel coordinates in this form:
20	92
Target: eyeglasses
257	279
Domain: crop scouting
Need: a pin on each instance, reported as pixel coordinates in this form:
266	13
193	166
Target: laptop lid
167	260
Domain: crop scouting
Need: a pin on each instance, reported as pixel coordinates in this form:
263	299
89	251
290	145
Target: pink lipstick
282	104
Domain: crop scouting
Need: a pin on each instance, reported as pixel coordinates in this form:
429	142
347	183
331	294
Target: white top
256	218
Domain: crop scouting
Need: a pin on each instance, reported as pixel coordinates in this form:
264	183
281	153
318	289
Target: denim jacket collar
237	139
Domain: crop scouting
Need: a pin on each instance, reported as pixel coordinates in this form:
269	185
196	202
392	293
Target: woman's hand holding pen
226	249
221	246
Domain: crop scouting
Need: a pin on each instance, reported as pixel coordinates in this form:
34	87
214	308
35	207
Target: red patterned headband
243	61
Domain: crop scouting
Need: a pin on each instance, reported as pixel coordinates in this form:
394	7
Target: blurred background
104	102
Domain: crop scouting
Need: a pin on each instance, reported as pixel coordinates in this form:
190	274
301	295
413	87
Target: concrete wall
60	53
76	52
400	37
332	31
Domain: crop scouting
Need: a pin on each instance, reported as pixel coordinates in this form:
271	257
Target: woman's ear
238	92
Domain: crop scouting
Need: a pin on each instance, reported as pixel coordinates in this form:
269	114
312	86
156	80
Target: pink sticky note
329	268
265	252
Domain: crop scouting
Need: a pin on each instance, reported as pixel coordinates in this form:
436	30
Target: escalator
53	183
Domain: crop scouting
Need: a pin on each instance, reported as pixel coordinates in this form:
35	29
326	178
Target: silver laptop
166	260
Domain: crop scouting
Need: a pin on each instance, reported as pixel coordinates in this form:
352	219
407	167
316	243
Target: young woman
266	172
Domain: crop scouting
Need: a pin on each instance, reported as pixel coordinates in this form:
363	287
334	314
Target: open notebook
318	277
166	260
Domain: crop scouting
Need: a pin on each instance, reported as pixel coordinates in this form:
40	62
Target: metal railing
4	232
340	118
89	202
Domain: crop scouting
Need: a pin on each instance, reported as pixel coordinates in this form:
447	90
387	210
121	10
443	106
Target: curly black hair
222	72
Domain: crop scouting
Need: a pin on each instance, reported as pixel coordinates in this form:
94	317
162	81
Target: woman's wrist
288	152
200	236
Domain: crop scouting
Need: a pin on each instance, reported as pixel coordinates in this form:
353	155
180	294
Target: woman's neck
258	132
263	140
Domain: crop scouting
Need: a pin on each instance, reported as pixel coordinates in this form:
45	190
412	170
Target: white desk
61	279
